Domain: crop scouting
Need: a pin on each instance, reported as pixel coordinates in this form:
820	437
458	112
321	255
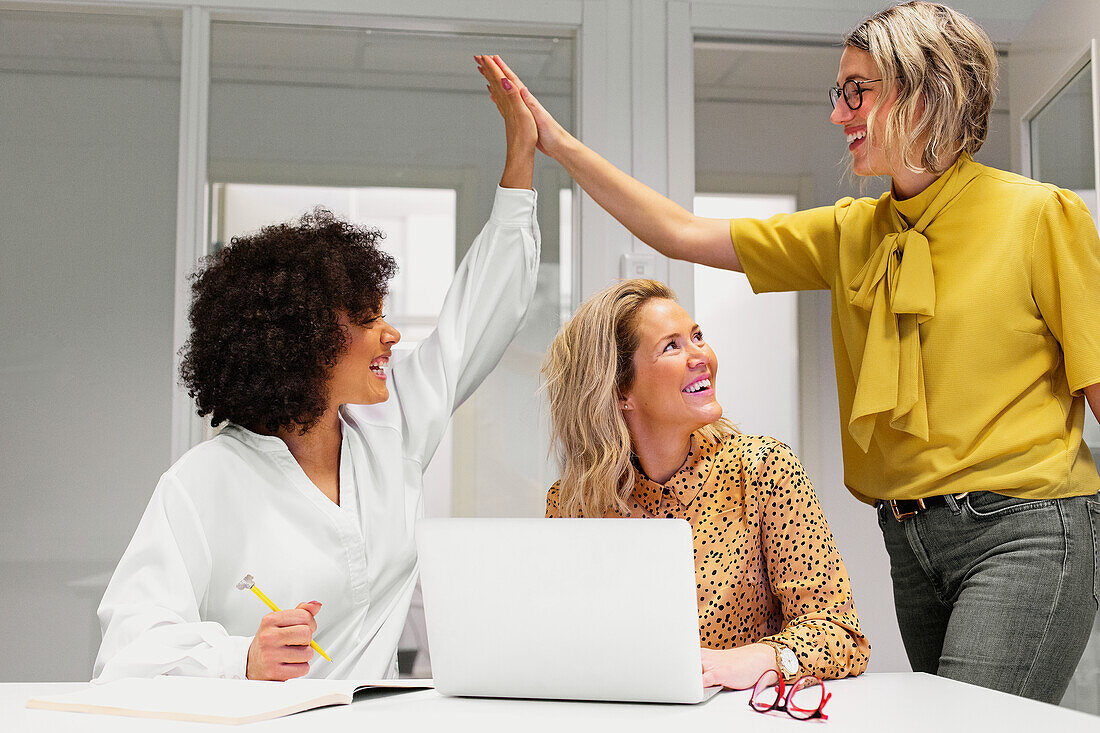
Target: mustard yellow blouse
966	321
766	565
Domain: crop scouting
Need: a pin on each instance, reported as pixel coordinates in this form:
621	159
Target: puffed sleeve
482	312
806	573
796	251
149	614
1065	282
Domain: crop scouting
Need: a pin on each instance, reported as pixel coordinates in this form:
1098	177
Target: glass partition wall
90	119
396	129
1061	137
390	127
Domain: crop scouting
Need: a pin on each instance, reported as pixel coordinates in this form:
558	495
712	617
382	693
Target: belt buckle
900	516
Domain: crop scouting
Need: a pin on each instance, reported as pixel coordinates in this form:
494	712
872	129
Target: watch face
789	661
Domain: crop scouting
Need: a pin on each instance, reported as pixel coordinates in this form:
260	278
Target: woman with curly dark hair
315	482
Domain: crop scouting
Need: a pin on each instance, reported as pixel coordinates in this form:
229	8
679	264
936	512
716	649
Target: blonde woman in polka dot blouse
639	433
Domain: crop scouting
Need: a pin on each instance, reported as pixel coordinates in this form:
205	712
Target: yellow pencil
247	583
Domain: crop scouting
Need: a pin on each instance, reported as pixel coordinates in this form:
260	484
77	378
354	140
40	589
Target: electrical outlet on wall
638	265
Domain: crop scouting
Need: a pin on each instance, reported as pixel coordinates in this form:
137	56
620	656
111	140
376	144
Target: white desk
882	703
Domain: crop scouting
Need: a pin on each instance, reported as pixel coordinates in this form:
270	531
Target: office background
128	124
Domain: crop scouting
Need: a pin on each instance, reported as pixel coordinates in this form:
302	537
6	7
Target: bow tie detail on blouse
896	286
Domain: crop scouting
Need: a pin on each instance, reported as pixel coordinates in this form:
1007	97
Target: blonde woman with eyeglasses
966	336
639	433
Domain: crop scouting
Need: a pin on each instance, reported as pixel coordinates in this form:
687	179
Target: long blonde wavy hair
588	367
944	68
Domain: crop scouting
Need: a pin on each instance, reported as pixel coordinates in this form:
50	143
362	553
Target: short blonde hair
587	368
944	68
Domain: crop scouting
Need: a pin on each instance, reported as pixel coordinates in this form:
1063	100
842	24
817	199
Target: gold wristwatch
785	660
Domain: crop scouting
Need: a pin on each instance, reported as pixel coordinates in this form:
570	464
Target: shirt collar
267	443
684	485
912	209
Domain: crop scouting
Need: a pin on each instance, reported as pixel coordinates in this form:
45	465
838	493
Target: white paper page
212	700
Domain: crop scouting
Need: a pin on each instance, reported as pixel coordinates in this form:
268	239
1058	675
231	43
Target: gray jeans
996	591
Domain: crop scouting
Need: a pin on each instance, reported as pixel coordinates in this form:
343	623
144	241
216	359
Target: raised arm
655	219
485	304
520	130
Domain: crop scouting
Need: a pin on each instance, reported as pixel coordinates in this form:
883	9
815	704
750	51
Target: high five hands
551	136
519	123
651	217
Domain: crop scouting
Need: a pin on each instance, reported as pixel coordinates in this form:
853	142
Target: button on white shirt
240	503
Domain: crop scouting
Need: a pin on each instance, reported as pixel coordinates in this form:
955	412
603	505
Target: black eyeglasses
852	91
803	700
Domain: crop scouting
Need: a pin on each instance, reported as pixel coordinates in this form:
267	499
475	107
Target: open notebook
209	700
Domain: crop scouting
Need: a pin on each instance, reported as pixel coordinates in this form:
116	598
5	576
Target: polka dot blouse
766	565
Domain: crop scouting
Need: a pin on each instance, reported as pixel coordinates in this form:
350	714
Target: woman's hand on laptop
739	668
280	650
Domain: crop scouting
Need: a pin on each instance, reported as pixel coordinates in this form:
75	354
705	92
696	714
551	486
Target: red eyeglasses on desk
803	699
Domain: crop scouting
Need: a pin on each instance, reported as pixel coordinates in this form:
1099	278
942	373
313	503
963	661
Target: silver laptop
572	609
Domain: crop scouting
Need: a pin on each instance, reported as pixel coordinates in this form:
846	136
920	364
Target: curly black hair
265	330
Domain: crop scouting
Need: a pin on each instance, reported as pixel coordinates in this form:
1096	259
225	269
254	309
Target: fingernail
506	84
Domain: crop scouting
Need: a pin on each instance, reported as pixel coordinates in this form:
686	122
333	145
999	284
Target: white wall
754	337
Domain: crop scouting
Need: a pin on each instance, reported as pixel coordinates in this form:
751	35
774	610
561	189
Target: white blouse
240	503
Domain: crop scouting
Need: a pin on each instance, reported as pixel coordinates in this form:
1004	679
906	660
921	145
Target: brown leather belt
906	508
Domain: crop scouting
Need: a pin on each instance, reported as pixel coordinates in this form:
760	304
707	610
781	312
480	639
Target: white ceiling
126	45
358	58
1003	20
387	59
779	73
